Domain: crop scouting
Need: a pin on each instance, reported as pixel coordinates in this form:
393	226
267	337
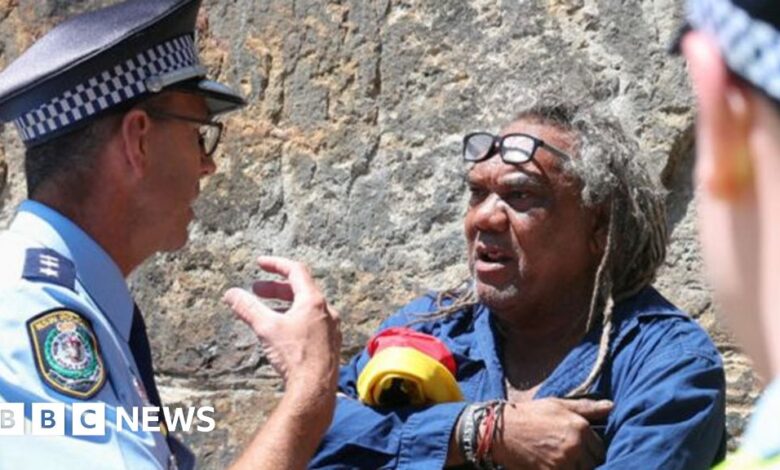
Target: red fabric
406	337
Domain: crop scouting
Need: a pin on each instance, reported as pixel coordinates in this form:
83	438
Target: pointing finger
592	410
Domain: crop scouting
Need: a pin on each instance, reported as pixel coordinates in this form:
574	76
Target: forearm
292	433
303	346
454	455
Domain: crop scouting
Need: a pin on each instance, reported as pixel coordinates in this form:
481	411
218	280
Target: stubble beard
497	297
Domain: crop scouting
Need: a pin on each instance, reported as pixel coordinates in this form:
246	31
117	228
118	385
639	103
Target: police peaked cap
103	59
748	35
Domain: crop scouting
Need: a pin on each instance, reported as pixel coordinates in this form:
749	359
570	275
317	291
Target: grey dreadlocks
606	164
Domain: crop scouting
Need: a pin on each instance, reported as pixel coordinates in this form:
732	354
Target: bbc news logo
89	419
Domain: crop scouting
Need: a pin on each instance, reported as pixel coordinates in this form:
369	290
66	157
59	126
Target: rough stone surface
347	158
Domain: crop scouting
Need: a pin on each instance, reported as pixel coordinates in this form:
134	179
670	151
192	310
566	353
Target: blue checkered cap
105	59
150	71
748	35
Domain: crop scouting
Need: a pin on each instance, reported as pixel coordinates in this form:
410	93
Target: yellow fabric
425	380
743	461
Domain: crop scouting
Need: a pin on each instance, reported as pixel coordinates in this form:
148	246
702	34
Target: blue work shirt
82	278
665	377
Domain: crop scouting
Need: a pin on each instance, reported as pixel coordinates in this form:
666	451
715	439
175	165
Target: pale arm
303	345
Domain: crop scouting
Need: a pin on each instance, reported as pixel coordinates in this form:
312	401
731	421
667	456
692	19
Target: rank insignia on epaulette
46	265
67	353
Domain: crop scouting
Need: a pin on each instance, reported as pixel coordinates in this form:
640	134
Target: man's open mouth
489	254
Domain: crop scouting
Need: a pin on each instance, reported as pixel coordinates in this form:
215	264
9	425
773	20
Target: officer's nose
207	164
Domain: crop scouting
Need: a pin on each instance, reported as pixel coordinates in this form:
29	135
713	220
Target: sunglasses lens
477	146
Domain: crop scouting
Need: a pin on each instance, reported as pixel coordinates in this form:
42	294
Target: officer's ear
135	128
726	112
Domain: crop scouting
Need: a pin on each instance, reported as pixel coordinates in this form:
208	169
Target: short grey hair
68	161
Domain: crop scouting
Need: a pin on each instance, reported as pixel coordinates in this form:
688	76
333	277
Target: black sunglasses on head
513	148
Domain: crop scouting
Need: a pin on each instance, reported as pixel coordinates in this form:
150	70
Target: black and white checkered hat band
137	75
750	47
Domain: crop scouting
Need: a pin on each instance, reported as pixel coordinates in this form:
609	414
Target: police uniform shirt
65	320
762	438
760	448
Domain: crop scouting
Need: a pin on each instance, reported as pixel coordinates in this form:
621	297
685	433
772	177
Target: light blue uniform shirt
762	438
101	296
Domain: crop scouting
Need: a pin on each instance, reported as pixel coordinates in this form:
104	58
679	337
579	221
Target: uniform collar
95	269
761	438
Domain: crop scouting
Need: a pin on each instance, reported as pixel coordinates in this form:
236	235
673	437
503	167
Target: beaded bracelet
475	440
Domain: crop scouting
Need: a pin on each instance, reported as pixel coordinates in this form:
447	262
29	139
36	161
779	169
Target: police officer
733	53
117	117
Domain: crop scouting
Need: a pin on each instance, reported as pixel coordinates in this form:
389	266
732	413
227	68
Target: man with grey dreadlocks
566	356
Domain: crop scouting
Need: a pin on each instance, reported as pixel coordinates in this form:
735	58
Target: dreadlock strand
598	365
602	285
462	299
598	281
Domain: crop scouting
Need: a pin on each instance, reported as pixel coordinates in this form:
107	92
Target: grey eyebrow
520	179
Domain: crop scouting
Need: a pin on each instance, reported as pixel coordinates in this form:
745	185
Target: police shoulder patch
67	354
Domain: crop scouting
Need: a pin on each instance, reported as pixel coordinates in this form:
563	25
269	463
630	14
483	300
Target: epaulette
46	265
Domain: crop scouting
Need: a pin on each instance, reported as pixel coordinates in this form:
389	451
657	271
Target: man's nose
492	215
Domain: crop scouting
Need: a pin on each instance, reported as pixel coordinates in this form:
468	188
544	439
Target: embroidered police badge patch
67	353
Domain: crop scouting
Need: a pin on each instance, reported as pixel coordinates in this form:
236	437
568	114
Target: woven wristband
467	433
492	432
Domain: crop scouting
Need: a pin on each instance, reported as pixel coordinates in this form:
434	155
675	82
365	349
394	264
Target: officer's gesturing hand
302	343
551	433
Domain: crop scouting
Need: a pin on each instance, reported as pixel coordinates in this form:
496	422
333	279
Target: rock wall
347	158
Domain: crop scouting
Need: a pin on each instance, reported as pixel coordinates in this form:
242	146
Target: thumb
251	310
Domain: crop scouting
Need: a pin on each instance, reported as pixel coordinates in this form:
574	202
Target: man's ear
724	121
597	241
135	129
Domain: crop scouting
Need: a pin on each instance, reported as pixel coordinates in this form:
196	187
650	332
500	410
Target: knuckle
299	266
241	305
578	425
569	434
317	301
260	328
554	404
